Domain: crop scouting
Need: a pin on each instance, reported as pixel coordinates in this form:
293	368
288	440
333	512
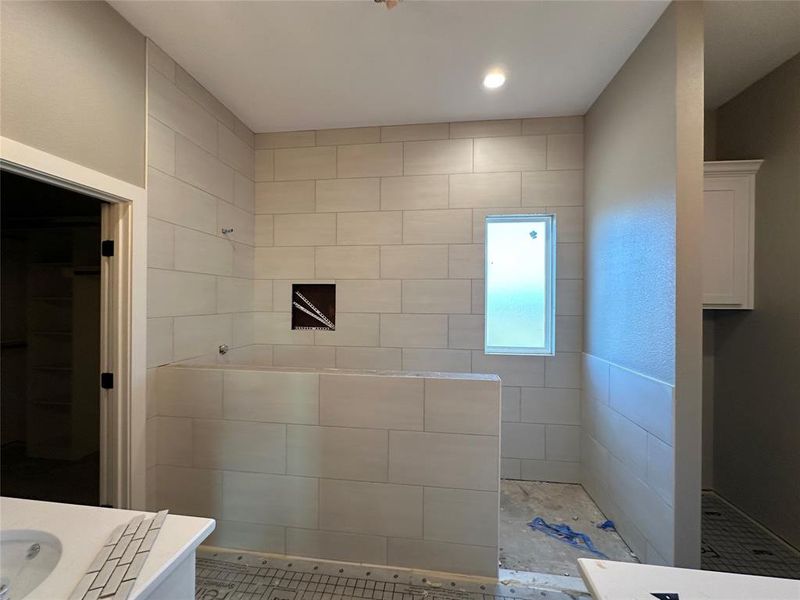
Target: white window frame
549	349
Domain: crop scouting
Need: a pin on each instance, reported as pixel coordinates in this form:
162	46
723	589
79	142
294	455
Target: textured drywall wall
73	84
757	353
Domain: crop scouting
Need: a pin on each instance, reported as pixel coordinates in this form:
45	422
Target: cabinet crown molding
727	167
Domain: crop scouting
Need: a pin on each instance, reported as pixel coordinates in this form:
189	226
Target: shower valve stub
227	230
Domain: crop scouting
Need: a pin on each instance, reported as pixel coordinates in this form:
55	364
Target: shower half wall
377	467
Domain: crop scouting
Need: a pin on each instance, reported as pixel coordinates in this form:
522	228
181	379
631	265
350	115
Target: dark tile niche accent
314	306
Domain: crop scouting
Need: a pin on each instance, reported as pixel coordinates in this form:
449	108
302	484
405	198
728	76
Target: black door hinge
107	381
107	248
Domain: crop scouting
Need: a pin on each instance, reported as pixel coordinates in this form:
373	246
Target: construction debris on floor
232	575
544	548
734	543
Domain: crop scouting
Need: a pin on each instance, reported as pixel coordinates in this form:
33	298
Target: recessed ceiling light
494	79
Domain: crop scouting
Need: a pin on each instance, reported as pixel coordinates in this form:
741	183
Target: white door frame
124	339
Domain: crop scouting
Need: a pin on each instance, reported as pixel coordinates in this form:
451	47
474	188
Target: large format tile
173	293
551	405
371	401
337	452
523	440
416	192
447	513
202	253
369	228
189	392
272	396
446	156
285	139
438	459
414	331
645	401
379	359
269	499
436	359
192	492
160	146
372	508
196	166
440	556
347	262
348	135
413	262
248	536
552	188
305	163
526	153
370	160
562	442
466	332
352	329
331	545
462	406
308	357
545	125
467	261
474	129
240	446
172	200
284	197
452	226
284	263
513	370
484	190
565	151
344	195
173	440
201	335
305	230
368	296
425	131
437	296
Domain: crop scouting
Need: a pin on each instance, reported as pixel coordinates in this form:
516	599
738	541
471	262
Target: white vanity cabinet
729	232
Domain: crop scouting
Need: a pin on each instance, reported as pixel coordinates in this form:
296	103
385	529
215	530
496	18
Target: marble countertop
83	530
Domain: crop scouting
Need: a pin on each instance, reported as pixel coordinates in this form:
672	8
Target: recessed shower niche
314	306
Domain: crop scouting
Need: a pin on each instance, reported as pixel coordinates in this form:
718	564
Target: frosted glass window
520	284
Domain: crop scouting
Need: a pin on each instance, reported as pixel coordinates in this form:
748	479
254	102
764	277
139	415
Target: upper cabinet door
728	243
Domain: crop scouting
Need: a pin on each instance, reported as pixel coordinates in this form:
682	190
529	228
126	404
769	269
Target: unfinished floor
524	549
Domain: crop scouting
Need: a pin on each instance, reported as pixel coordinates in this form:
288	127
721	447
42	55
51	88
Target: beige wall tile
569	223
272	396
513	370
414	192
305	163
243	260
484	189
466	332
551	470
234	152
551	405
436	360
248	536
479	219
381	359
406	133
160	146
437	227
563	370
160	60
350	135
446	156
368	296
244	133
269	499
240	446
565	151
569	261
462	406
569	297
285	139
414	331
264	165
446	512
352	329
661	468
244	194
310	357
170	199
285	197
510	468
510	412
467	261
371	401
305	230
569	333
348	547
179	112
196	166
234	295
337	453
526	153
645	401
382	227
173	440
418	262
562	442
160	244
372	508
283	263
191	87
478	297
474	129
192	492
241	221
201	335
440	556
348	262
344	195
437	296
189	392
202	253
437	459
264	230
523	440
552	188
596	373
172	293
159	341
370	160
275	328
546	125
262	294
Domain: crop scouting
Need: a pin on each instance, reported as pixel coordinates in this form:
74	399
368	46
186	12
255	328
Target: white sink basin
27	557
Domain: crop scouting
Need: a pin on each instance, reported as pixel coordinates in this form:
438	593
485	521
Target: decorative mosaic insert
114	570
248	576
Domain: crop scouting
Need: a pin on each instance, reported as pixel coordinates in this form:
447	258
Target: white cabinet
729	227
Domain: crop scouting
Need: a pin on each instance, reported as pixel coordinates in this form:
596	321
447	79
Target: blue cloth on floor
607	524
565	533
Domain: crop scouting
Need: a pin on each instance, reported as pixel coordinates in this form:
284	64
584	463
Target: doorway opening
50	394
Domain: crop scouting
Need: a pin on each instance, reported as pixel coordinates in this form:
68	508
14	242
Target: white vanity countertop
610	580
83	530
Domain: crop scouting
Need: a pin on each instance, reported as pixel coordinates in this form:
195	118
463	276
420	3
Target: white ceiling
744	42
290	65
